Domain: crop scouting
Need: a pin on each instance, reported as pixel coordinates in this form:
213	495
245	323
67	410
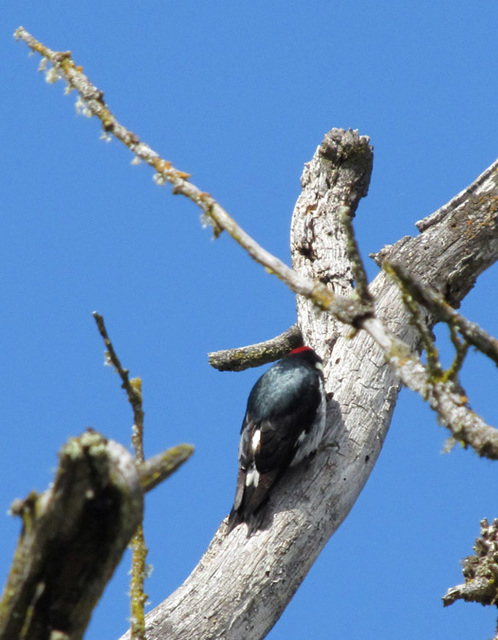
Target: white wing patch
256	440
252	475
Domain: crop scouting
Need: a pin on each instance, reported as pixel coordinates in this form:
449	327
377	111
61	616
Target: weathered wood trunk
242	585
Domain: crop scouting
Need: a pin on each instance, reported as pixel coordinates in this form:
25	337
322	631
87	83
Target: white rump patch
252	477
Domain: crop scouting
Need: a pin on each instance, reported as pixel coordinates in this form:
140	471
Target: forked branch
456	245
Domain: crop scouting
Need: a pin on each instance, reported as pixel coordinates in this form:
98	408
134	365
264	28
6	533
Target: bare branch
354	256
466	198
75	533
364	392
258	354
434	366
161	466
334	181
344	309
434	301
457	245
132	387
442	394
480	571
461	349
440	388
73	537
138	597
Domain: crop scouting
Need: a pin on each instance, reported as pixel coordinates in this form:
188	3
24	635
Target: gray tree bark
242	584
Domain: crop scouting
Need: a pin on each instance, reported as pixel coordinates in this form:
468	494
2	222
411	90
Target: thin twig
434	302
92	102
433	363
469	428
138	597
132	388
442	395
461	349
357	266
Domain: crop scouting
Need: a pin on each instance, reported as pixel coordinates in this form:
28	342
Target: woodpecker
283	424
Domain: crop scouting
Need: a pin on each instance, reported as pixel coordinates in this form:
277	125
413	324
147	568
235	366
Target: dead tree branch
434	302
156	469
456	245
92	101
133	389
72	539
480	570
258	354
75	533
312	504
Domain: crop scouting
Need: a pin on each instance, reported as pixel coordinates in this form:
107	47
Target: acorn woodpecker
283	424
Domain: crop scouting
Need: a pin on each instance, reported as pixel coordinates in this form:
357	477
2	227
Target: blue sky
239	95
